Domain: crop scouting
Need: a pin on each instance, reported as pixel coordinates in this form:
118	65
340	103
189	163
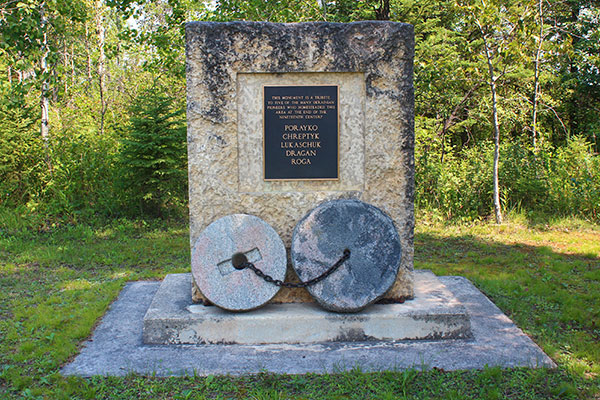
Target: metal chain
311	282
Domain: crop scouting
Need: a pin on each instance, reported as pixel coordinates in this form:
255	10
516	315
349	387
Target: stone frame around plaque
351	145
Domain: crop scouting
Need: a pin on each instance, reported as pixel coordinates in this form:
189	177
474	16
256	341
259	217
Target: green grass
56	281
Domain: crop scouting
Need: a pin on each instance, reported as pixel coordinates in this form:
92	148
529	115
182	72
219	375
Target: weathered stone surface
434	314
320	239
227	242
228	63
116	347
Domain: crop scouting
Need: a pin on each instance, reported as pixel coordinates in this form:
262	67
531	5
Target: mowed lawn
56	281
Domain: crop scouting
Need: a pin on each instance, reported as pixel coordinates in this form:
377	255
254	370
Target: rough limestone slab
372	62
321	237
173	319
116	346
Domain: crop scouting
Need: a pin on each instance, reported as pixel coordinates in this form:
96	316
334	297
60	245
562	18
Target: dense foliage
98	65
556	180
153	153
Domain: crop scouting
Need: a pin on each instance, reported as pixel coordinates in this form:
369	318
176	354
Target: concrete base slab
116	347
434	313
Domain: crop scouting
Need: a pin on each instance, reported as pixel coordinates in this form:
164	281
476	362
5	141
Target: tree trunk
45	103
574	100
324	7
536	80
88	53
383	12
100	33
66	66
492	82
497	208
72	65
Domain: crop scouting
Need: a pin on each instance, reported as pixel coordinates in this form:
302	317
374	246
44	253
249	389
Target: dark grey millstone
213	270
320	239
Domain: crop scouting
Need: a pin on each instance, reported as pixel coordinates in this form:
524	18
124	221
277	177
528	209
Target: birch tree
537	66
99	20
44	101
499	26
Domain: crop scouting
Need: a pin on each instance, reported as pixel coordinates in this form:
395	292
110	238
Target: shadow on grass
552	296
438	248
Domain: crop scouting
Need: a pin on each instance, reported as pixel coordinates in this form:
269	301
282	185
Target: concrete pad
116	346
434	313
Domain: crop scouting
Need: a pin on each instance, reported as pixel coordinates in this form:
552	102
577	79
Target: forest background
507	102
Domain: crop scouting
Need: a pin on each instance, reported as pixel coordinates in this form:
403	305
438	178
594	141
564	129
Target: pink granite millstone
319	240
213	271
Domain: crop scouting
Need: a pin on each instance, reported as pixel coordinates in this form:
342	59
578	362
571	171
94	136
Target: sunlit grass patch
547	280
78	284
8	267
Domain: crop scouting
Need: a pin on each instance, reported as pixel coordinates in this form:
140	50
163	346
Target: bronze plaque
301	132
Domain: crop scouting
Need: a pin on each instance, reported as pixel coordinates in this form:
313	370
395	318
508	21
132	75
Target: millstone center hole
238	260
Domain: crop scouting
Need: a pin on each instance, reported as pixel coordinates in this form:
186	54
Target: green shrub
460	186
523	176
574	180
562	182
21	151
153	155
84	172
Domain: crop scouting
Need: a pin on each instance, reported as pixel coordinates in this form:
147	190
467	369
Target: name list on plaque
300	132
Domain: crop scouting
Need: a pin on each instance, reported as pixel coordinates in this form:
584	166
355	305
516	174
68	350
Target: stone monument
282	117
302	132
